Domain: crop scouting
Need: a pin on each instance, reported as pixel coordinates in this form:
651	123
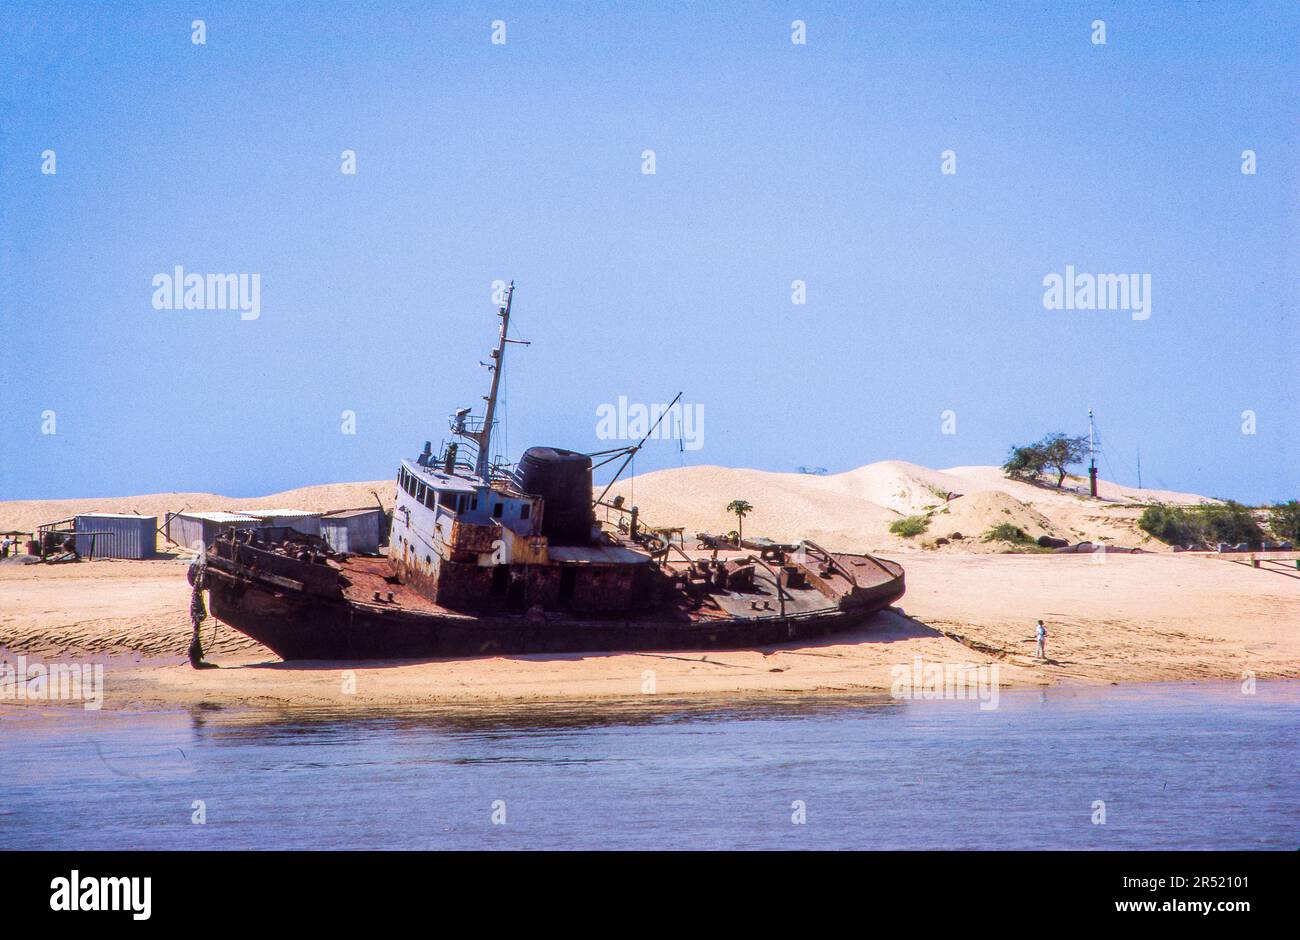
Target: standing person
1042	641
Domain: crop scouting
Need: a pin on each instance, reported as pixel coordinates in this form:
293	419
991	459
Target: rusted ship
487	558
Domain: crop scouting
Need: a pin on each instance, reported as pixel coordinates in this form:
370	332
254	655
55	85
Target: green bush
909	526
1006	532
1284	520
1172	525
1229	522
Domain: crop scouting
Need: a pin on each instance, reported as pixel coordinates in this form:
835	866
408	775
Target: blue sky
775	162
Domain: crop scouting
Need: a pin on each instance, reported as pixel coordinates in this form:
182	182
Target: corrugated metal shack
115	535
300	520
192	529
355	531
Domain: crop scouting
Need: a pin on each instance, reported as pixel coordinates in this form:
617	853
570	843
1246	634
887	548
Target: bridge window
497	510
524	510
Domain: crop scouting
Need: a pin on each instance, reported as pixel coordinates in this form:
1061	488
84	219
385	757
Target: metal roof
281	513
114	515
216	516
432	476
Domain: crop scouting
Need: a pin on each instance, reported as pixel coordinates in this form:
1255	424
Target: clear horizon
926	292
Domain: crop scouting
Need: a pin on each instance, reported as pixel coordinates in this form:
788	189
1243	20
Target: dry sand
1111	618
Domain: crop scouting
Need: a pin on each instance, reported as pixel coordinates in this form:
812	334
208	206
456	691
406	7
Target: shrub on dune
909	526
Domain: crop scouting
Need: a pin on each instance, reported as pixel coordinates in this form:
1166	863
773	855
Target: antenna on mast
1092	456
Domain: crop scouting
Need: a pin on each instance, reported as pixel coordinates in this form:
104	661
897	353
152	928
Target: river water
1188	766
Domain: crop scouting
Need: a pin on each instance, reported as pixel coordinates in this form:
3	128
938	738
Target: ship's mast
484	437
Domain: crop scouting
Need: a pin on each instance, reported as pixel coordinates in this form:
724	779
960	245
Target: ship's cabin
515	543
469	499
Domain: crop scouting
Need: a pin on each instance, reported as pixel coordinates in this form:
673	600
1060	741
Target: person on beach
1042	641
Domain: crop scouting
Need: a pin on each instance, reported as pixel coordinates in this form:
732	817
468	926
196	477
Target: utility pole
1139	468
1092	456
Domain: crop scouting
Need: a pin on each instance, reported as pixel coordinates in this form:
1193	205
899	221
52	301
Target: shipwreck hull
302	625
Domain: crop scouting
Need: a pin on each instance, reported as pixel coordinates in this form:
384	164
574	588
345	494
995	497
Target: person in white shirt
1042	641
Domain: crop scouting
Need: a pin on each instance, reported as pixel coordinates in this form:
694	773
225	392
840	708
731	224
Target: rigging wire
681	437
505	413
1105	454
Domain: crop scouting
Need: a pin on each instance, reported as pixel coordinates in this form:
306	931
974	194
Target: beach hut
115	535
356	530
192	529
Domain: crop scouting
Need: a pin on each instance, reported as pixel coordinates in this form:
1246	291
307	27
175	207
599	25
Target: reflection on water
1199	766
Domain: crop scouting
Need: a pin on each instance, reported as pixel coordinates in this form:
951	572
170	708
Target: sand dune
787	506
853	510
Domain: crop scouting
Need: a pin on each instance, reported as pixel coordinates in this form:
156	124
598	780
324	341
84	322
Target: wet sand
1115	618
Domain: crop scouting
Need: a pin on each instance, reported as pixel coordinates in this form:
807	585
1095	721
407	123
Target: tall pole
483	465
1092	457
1139	468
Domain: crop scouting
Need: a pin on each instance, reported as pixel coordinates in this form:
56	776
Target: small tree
741	509
1053	452
1025	463
1061	452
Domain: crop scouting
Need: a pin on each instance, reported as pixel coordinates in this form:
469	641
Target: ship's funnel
563	479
